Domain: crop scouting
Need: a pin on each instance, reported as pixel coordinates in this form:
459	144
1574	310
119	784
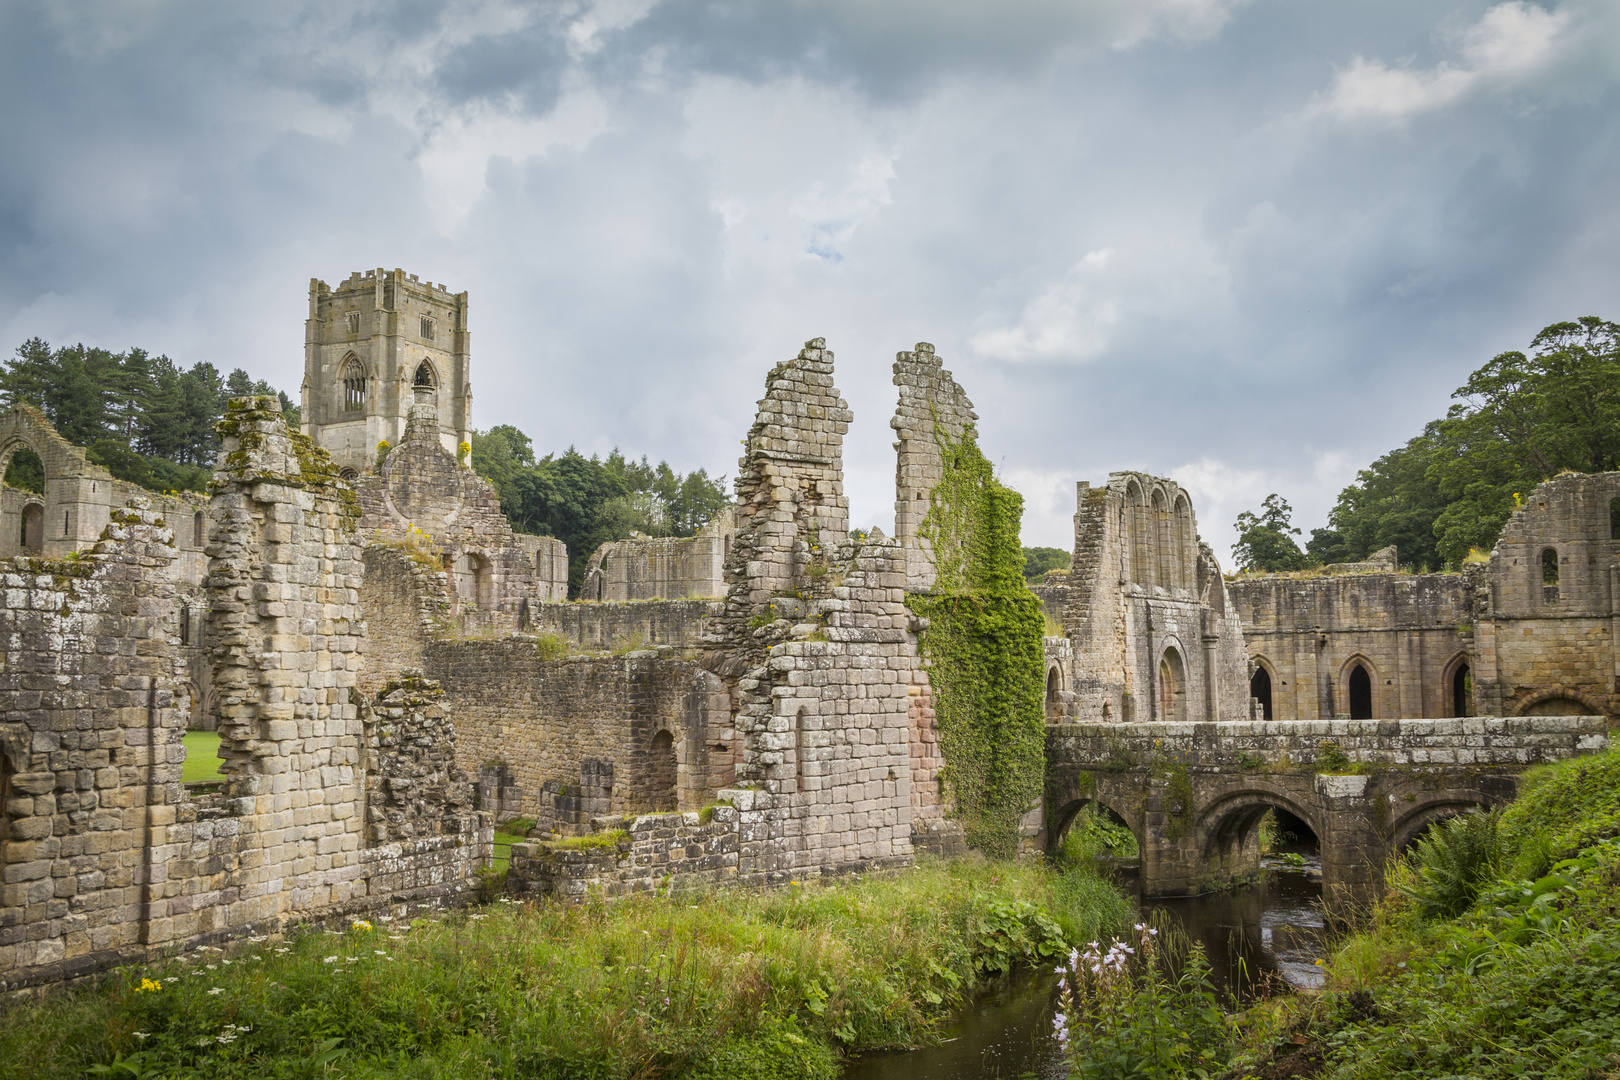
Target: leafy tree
1038	560
1518	420
586	502
1264	542
26	472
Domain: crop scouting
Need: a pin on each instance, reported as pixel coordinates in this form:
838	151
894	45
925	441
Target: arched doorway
1172	683
1054	688
1361	694
32	527
1260	690
1462	691
661	773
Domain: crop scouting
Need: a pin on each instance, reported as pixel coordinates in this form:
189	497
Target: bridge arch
1556	701
1226	825
1407	829
1118	809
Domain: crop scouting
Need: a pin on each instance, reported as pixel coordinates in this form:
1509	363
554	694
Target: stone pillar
1353	854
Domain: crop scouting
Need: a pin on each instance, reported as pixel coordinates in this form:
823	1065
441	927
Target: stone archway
1405	831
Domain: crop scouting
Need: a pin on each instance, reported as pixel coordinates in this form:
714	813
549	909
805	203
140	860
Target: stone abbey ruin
392	669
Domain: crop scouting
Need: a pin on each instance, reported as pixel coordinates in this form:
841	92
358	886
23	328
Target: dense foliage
1518	420
142	417
733	984
1264	541
1038	560
1495	955
586	502
984	650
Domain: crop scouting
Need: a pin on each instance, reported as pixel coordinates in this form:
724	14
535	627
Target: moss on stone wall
984	650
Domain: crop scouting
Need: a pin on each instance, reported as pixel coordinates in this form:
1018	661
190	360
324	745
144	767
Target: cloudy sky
1251	245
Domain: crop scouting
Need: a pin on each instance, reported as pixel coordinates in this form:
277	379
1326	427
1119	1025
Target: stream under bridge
1193	794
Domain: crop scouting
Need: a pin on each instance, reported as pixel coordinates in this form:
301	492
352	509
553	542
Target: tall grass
734	983
1449	865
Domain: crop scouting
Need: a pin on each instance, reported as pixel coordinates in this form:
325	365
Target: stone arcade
391	669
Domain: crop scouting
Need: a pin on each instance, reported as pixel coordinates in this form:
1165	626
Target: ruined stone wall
542	719
662	568
636	624
931	408
414	788
423	498
406	605
80	499
549	557
1409	631
669	853
92	710
1546	647
1153	633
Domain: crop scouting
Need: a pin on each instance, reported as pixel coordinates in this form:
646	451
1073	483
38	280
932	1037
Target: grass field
202	756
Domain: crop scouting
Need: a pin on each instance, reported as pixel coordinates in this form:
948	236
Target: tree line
143	418
1518	420
586	502
150	422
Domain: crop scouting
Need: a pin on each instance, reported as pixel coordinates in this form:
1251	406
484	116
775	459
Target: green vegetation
1495	954
1038	560
984	648
1093	834
202	757
1517	421
1264	541
734	984
586	502
141	417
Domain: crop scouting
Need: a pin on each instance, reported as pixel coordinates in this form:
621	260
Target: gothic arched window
354	386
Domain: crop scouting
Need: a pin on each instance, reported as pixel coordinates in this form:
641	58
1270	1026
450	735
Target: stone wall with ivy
982	643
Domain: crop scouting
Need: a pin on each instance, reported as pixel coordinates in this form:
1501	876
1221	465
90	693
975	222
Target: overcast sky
1251	246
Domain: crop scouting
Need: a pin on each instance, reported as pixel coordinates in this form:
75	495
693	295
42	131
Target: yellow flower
360	924
148	984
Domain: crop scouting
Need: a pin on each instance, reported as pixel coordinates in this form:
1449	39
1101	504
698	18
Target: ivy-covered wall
983	649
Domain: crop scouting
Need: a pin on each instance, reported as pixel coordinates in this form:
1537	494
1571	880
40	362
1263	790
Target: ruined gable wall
1140	583
1542	647
92	709
80	499
406	606
1407	629
421	486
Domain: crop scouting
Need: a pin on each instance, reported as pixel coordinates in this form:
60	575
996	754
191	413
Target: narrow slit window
1549	566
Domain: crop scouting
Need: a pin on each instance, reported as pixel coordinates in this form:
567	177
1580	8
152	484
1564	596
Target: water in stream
1270	930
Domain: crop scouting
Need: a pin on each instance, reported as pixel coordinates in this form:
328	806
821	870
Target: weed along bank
394	673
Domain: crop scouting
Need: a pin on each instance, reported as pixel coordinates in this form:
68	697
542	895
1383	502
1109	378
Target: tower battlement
377	344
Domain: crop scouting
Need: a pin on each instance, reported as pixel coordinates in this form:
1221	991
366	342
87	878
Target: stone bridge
1193	794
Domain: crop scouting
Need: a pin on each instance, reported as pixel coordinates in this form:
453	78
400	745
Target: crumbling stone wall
406	605
662	568
80	499
1153	632
932	408
92	710
106	856
636	623
1546	648
414	786
541	718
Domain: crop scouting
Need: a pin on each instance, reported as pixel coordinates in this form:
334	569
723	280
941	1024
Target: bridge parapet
1193	793
1467	740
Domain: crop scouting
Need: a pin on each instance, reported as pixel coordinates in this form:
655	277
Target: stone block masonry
105	855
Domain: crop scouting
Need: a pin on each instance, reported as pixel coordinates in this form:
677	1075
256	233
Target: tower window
1549	566
424	375
427	328
353	319
354	386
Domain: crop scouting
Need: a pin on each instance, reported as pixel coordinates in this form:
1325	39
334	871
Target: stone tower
379	343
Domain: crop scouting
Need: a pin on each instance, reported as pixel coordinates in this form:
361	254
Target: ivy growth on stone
984	650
